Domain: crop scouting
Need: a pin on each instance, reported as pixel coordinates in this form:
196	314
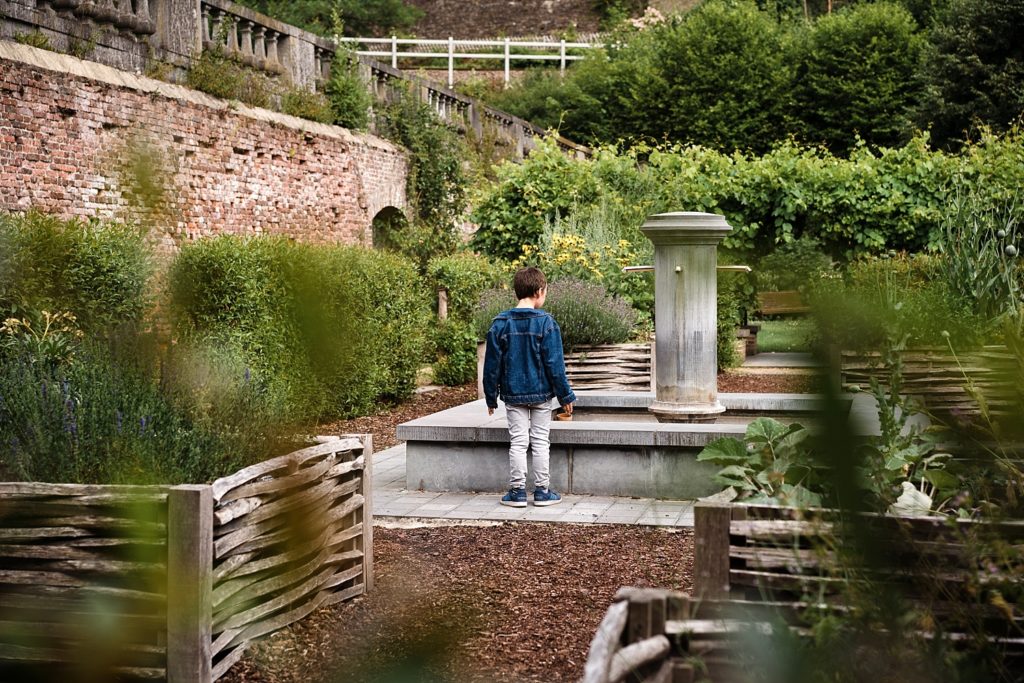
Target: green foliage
772	464
106	417
465	276
871	202
436	184
973	71
349	96
358	17
329	330
894	296
792	266
298	101
735	75
727	320
456	347
95	272
855	75
513	212
35	39
982	264
220	75
587	315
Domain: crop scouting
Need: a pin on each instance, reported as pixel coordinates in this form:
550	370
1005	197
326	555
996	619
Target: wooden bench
789	302
761	568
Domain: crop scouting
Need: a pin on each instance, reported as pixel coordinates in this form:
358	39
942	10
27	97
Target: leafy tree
974	69
718	77
359	17
855	76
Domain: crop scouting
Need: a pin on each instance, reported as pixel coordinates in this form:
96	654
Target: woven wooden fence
172	583
940	378
289	535
618	367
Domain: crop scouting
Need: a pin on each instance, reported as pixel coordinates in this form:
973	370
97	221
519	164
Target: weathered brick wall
69	127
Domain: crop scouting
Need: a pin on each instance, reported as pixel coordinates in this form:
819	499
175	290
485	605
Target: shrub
455	341
298	101
329	330
355	17
93	271
348	94
855	76
465	276
587	315
105	417
514	211
220	75
895	297
584	311
792	266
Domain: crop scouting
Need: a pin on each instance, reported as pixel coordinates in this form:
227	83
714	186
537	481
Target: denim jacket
524	364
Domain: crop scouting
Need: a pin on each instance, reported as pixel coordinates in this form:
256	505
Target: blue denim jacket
524	363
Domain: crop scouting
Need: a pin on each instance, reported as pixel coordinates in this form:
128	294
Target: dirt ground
495	604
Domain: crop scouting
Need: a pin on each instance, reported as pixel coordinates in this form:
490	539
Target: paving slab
393	504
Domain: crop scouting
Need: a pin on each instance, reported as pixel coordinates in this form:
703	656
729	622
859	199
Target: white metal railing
453	49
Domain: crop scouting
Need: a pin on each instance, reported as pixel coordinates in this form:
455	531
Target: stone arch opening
386	226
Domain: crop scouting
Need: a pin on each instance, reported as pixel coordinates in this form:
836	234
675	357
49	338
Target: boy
524	366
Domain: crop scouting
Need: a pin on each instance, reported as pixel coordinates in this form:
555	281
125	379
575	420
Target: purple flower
118	417
248	375
142	425
42	390
70	421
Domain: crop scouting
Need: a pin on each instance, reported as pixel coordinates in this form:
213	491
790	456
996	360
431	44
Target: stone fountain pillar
685	309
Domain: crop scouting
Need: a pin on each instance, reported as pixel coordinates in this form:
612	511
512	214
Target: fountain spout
685	320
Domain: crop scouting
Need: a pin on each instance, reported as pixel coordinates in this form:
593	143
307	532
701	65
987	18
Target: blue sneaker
515	498
542	497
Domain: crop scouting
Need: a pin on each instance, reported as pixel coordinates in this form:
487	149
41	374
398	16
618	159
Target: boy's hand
490	411
567	408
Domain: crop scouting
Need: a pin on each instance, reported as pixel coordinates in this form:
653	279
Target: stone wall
69	128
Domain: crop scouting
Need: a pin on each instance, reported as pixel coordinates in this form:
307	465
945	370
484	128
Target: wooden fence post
367	492
711	550
189	584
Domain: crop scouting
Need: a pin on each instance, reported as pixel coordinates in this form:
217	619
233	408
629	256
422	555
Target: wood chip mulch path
512	602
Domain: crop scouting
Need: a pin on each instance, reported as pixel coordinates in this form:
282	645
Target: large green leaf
724	451
800	497
941	479
766	430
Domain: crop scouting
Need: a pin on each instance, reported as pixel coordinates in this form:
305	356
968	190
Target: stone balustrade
465	113
248	41
148	33
124	15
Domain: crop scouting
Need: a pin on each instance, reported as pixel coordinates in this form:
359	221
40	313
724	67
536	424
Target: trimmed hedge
331	330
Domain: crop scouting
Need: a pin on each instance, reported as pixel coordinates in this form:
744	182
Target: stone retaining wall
68	128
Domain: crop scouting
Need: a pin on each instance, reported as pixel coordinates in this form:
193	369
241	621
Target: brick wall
69	127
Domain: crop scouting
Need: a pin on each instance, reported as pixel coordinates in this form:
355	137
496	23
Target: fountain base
686	413
613	446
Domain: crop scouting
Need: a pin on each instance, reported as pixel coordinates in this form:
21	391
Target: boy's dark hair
528	281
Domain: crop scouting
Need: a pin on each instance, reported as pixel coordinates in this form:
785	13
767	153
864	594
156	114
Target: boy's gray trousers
528	426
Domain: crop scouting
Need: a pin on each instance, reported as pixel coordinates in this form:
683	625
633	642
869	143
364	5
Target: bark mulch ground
511	602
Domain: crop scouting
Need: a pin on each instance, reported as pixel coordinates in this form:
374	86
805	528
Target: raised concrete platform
611	452
395	505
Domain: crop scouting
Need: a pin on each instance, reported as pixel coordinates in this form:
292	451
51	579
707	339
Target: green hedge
331	330
868	203
96	272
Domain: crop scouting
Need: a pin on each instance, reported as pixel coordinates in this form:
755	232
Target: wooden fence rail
942	378
174	582
758	569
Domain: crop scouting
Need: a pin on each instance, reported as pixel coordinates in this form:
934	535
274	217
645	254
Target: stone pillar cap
686	227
